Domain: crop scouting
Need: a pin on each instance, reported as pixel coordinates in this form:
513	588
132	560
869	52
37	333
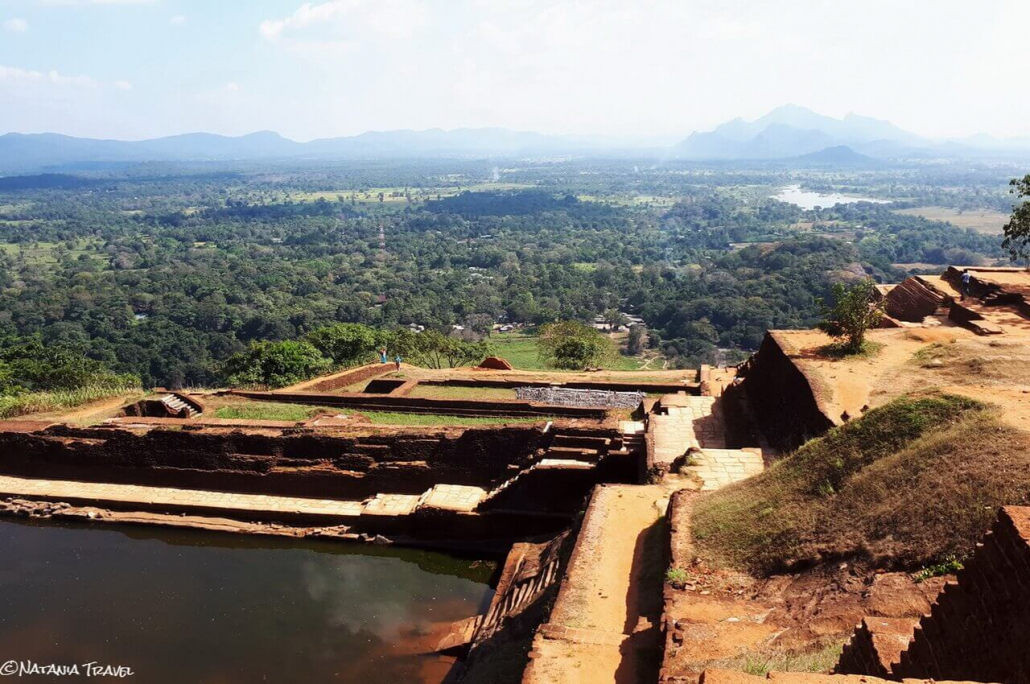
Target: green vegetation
59	400
167	271
820	660
38	377
949	566
276	364
909	484
851	315
676	575
271	410
472	393
1017	230
569	345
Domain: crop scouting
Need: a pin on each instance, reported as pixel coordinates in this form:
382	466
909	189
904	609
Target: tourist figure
382	355
966	276
397	359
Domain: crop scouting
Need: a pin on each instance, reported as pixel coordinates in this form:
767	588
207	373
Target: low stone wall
979	627
513	382
342	379
565	396
781	396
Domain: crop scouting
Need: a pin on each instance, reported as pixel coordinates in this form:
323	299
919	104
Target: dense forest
165	272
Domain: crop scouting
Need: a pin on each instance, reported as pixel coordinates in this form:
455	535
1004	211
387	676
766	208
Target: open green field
987	222
45	253
522	352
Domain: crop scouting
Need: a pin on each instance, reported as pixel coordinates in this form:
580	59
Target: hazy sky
142	68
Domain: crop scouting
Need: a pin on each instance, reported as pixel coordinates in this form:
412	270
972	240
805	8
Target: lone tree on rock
852	314
1017	230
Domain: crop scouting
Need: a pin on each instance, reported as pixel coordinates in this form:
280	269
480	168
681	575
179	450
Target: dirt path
89	412
604	624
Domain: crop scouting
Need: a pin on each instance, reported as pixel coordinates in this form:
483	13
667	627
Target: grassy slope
909	483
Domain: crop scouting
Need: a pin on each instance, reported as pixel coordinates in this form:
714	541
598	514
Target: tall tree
1017	230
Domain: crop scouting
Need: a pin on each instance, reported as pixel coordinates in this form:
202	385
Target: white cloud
123	85
346	20
177	20
232	86
96	2
15	75
16	25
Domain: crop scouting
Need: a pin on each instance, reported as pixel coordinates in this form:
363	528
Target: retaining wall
288	462
979	626
781	396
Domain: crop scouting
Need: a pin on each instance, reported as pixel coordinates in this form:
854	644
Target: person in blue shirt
397	359
382	355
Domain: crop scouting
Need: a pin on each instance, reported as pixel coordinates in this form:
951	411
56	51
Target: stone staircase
178	408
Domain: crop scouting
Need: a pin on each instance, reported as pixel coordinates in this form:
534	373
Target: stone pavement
450	497
716	468
695	424
100	494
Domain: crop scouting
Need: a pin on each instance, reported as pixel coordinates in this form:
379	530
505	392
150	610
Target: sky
132	69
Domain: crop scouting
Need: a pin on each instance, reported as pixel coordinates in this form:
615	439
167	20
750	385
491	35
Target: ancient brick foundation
781	396
979	627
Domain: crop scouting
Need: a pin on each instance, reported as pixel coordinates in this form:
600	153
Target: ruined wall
351	376
979	627
876	644
913	300
290	462
782	399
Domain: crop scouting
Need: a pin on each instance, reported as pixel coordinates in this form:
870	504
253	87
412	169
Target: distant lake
810	200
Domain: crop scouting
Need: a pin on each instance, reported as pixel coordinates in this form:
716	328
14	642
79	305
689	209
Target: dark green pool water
187	607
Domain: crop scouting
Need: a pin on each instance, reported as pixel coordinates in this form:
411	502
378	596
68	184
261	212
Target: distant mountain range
788	133
793	131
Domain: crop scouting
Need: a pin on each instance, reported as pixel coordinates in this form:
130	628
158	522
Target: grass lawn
473	393
522	352
270	410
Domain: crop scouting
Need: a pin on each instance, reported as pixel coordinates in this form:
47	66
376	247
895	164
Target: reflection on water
810	200
180	606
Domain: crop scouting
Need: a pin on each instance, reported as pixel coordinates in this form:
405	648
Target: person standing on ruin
383	358
966	277
397	360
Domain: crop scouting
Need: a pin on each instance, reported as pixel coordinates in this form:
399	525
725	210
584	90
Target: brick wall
979	627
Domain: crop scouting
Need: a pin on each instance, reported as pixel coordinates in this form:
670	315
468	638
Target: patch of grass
821	660
388	418
270	410
838	350
676	576
455	392
908	484
947	567
38	402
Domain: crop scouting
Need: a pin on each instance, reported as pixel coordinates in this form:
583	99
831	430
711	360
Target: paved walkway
605	618
696	423
101	494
